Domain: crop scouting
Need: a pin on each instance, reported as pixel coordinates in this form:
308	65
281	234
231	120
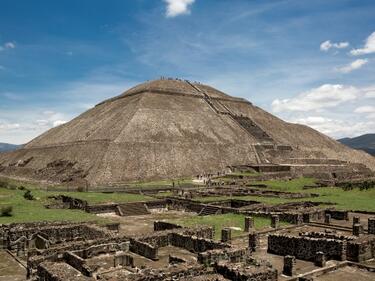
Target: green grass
345	200
98	197
267	200
162	183
294	185
218	222
34	210
31	211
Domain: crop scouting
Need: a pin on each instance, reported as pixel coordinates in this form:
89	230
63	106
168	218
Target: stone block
371	225
249	223
327	218
356	220
320	259
226	235
275	219
253	241
357	229
289	266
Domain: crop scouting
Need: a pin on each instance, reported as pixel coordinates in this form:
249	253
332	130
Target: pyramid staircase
245	122
132	209
251	127
209	210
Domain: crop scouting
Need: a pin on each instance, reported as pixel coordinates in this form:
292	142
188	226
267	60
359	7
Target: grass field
34	210
218	222
351	200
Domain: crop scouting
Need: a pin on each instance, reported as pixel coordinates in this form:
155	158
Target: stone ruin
85	251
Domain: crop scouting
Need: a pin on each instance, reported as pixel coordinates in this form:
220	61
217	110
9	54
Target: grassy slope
28	211
350	200
226	220
34	210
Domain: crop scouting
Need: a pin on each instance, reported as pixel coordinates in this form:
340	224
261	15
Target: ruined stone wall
213	256
102	249
361	249
240	272
161	225
337	214
101	208
49	271
143	249
206	232
195	244
78	263
54	234
305	248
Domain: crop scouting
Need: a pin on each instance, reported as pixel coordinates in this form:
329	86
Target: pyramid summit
171	129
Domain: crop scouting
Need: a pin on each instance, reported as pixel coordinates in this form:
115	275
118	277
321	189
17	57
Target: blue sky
311	62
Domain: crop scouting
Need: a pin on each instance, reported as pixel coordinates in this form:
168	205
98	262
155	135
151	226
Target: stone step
133	209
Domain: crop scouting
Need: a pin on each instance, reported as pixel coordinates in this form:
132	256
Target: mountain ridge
364	142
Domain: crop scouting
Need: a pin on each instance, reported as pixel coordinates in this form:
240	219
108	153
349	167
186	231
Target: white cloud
368	48
357	64
59	122
178	7
365	109
368	110
7	45
4	125
337	128
326	45
325	96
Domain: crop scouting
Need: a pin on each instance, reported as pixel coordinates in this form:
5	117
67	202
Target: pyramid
169	129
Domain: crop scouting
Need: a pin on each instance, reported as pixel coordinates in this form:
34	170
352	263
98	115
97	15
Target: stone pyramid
169	129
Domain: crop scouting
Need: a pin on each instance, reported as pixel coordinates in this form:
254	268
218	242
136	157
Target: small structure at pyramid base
174	129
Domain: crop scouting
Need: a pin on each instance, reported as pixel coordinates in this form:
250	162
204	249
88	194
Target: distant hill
364	142
8	147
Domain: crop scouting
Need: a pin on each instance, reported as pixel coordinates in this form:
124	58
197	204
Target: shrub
80	189
6	211
28	195
22	187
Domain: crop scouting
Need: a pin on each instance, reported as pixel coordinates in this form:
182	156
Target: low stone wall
231	254
161	225
50	271
102	249
305	248
101	208
143	249
361	249
195	244
77	262
14	238
242	272
338	215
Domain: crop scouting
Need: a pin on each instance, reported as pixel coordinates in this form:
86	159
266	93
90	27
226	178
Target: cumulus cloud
325	96
178	7
368	110
357	64
326	45
365	109
59	122
7	45
335	127
4	125
368	48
